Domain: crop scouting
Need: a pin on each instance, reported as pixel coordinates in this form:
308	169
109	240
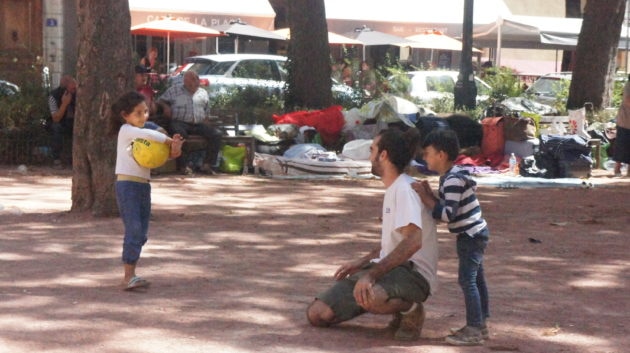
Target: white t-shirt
402	206
125	164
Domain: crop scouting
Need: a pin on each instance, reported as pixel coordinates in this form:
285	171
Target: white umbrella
242	29
433	39
367	36
333	38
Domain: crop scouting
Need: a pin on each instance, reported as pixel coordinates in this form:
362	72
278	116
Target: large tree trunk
104	72
309	82
573	9
596	53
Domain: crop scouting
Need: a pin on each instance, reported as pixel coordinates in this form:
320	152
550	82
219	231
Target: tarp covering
385	110
408	17
328	122
451	11
532	32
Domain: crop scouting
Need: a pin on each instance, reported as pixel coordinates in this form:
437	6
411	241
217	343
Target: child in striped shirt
457	204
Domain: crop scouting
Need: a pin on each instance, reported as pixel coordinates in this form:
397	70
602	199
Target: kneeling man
399	275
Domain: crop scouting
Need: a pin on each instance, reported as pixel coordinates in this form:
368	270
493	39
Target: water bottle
513	165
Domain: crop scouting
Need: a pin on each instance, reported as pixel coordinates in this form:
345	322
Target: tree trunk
104	72
573	9
596	54
309	82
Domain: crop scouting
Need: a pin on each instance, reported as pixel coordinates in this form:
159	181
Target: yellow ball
150	154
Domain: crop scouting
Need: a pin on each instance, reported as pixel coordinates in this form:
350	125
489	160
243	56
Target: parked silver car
8	89
547	89
220	72
223	70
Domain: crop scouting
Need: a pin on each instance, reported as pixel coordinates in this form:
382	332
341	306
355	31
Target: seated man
399	275
187	106
61	102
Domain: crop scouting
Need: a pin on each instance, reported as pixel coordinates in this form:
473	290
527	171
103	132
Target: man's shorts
401	282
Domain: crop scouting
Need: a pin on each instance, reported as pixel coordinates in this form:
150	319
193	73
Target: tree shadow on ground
234	262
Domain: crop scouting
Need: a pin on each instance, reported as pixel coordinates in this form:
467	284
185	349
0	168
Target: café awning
257	13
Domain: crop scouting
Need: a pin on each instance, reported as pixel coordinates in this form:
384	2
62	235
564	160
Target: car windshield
257	69
446	83
442	83
220	68
546	85
201	68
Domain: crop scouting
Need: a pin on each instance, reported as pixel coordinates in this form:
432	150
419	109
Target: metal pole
168	50
497	55
465	91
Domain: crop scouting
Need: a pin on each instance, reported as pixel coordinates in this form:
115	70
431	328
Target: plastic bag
232	158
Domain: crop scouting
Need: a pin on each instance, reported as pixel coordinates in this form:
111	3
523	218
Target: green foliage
562	94
477	113
504	83
400	84
617	95
256	105
22	118
24	111
601	117
443	105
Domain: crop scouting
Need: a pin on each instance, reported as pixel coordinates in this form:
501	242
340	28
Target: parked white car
553	88
547	88
222	70
429	85
219	72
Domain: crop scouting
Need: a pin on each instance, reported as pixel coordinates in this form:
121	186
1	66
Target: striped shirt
186	107
53	106
458	203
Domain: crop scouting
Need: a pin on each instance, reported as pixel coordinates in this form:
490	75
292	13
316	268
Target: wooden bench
547	120
227	121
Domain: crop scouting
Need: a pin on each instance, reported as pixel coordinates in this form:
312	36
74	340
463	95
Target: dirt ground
234	261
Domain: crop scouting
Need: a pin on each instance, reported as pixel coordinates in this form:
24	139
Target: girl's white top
125	164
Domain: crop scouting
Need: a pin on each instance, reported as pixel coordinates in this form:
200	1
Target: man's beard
376	169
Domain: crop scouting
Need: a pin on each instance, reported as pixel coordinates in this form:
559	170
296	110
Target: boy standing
458	205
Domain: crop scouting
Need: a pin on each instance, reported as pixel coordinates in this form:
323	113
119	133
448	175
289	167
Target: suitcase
493	142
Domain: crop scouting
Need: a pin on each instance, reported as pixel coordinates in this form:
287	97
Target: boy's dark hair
400	146
443	140
125	104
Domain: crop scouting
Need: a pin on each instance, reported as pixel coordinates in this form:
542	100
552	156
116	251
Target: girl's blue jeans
134	205
471	277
